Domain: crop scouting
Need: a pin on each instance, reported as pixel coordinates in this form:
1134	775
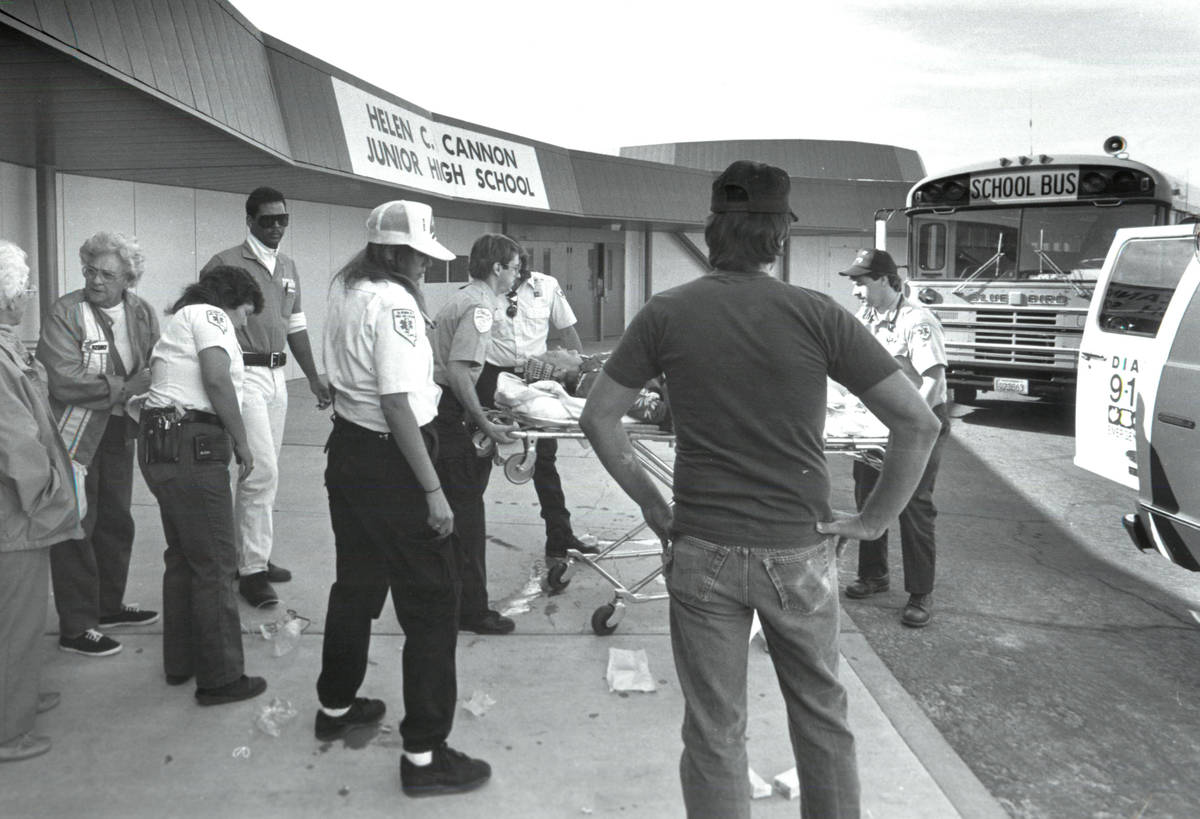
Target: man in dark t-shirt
746	358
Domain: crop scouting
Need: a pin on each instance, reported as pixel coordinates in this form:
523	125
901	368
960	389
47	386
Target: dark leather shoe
918	612
277	574
243	688
867	586
177	679
256	590
557	547
362	712
492	622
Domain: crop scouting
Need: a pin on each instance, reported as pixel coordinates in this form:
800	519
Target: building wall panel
165	226
90	205
18	224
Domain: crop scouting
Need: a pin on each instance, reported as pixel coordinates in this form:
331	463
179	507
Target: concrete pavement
560	743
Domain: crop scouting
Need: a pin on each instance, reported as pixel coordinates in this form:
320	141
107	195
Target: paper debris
479	703
759	787
629	670
788	784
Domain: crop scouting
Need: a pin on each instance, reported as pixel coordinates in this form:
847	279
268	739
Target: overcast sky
957	80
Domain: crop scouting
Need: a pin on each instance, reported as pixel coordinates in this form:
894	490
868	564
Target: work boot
277	574
450	771
556	547
919	611
256	590
867	586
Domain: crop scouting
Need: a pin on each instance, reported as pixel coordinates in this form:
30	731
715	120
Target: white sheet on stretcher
846	417
542	403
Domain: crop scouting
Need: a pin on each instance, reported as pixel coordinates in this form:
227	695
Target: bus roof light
1024	160
1005	162
1045	159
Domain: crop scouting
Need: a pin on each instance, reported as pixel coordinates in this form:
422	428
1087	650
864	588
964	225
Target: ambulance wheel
556	579
600	618
516	470
965	395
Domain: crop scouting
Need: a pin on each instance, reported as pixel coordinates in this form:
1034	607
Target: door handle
1091	356
1175	420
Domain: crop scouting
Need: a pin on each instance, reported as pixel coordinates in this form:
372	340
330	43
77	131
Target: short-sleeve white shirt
909	331
175	361
376	344
540	306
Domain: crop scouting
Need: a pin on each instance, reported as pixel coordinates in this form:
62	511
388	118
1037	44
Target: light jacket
37	483
72	387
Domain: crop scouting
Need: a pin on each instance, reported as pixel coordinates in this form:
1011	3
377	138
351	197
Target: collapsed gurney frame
518	468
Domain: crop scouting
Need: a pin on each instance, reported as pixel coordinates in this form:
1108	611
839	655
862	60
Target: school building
156	119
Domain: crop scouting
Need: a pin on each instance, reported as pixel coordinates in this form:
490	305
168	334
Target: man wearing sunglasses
534	305
264	401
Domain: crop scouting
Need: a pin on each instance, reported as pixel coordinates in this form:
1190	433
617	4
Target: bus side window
932	242
1144	279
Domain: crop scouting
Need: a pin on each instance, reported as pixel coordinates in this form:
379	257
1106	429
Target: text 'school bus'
1138	400
1007	254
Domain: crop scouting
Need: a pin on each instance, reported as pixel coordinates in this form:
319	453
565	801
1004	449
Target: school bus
1006	254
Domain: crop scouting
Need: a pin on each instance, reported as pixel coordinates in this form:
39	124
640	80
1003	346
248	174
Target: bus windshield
1030	243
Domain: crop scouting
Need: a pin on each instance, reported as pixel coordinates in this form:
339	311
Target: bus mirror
929	296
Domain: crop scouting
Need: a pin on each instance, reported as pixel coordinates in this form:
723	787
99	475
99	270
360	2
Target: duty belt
271	360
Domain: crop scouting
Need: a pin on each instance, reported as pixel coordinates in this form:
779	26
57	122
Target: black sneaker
277	574
90	644
256	590
131	615
362	712
450	771
557	547
492	622
243	688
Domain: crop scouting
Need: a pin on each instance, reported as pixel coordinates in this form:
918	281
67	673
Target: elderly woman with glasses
96	345
37	509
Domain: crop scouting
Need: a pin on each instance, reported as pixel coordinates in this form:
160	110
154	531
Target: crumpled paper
759	787
479	703
629	670
788	783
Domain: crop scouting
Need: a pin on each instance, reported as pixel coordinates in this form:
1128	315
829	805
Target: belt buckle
275	360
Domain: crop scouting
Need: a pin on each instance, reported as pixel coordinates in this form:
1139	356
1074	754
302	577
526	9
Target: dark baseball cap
752	187
873	263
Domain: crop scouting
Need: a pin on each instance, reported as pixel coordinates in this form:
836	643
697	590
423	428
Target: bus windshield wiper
1061	274
995	259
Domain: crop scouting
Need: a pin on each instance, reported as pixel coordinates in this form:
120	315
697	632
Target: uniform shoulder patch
218	319
483	319
923	332
404	322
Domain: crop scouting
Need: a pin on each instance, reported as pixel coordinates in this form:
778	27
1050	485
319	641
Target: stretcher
518	468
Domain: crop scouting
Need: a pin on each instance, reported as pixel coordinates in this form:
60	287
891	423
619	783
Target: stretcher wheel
516	470
556	578
600	620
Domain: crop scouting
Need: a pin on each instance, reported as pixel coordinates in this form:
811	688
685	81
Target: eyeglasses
106	276
511	312
270	220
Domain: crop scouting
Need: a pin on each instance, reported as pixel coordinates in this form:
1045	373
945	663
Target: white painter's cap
406	223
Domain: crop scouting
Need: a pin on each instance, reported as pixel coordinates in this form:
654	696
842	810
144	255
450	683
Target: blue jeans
715	591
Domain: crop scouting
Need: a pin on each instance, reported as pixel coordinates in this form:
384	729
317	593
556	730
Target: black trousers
916	522
202	631
546	481
378	511
464	477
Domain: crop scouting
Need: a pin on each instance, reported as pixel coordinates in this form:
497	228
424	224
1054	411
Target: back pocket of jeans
802	578
691	568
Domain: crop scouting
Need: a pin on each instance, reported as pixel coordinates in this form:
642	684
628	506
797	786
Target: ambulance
1138	391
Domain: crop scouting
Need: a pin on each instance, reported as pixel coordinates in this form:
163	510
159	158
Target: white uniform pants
264	410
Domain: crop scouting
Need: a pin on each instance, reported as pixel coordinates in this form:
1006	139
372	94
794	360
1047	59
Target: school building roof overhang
189	93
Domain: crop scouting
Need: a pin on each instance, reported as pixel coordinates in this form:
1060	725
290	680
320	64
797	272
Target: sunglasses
271	220
511	312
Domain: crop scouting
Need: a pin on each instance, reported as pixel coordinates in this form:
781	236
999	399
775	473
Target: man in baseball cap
746	358
913	335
